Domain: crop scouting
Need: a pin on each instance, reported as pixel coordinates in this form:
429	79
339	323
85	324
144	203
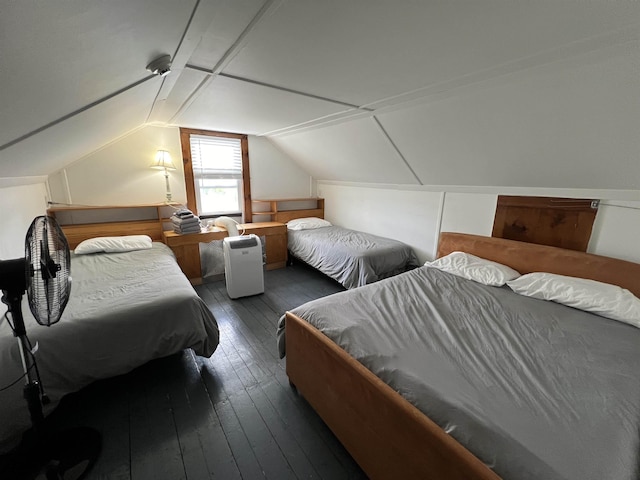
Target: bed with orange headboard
390	437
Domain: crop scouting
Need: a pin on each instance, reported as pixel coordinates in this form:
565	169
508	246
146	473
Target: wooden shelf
81	222
313	207
63	208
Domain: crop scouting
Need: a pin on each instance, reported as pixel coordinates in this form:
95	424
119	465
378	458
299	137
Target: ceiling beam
471	81
386	135
75	112
201	17
267	8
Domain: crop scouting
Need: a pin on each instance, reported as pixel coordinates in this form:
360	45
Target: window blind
216	157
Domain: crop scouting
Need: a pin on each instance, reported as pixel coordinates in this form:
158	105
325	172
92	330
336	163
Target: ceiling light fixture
160	66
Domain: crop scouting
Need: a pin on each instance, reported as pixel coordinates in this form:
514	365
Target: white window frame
216	158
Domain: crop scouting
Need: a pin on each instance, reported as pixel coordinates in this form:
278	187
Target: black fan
44	275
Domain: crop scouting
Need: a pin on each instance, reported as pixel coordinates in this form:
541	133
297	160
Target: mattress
125	309
534	389
350	257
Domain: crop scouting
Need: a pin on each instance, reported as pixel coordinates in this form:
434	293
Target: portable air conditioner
243	265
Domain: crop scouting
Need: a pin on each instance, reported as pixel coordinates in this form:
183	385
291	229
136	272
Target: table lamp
163	161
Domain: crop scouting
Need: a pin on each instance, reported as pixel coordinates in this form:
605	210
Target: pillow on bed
604	299
307	223
475	268
125	243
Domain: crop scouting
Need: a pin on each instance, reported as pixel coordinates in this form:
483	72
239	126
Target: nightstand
186	247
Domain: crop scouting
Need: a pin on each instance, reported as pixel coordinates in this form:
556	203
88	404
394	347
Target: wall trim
610	194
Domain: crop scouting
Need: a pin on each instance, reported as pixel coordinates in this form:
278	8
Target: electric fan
44	275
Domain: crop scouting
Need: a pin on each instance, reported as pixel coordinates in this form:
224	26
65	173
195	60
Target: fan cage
47	270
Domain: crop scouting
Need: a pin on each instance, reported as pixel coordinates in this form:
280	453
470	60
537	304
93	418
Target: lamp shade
163	160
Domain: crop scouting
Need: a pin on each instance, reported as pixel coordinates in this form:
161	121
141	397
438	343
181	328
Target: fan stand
41	454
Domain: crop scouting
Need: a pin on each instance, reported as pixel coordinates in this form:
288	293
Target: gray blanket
125	309
535	389
350	257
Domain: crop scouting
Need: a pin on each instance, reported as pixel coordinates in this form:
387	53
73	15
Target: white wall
567	122
21	204
469	213
274	174
406	215
616	231
119	173
417	217
564	126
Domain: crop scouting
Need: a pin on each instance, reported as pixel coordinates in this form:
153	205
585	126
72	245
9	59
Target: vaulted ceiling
446	92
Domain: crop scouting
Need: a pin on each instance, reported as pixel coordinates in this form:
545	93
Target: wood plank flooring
231	416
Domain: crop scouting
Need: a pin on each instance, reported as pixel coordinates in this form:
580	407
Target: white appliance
243	265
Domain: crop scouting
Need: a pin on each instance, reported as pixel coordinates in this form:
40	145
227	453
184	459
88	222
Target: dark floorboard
230	416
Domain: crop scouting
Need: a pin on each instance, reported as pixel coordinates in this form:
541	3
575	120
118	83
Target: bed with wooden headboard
386	434
350	257
125	309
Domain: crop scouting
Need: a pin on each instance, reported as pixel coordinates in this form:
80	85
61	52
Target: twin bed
125	309
429	375
350	257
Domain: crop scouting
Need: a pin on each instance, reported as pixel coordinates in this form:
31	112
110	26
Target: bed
125	309
555	395
350	257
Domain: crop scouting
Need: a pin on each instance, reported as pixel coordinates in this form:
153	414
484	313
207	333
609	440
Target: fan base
66	455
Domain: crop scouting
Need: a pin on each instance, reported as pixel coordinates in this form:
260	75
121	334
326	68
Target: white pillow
475	268
307	223
604	299
125	243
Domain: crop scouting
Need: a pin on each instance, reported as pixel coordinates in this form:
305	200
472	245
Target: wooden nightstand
186	247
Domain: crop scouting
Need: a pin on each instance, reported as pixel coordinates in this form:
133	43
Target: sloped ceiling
441	92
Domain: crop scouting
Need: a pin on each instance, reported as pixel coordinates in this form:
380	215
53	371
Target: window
217	173
216	170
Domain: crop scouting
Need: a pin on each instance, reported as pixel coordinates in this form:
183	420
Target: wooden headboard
81	223
78	233
283	216
530	257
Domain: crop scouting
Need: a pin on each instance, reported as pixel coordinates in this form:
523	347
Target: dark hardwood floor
230	416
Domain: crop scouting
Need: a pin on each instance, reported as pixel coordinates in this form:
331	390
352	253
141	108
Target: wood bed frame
385	434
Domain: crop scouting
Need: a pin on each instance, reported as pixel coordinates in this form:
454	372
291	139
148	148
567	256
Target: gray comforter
125	309
535	389
350	257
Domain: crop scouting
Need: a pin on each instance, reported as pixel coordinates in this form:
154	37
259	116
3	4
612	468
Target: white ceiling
440	92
